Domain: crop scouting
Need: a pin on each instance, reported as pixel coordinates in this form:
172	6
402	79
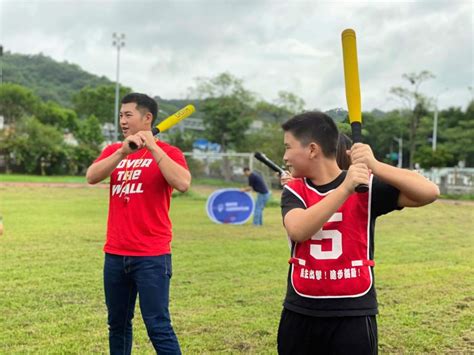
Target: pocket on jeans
163	265
169	265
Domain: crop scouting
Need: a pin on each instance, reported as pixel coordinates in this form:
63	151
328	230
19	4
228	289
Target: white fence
452	181
218	165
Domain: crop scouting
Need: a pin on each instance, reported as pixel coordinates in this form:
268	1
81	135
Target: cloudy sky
272	45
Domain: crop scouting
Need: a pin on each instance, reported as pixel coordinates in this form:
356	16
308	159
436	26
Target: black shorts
301	334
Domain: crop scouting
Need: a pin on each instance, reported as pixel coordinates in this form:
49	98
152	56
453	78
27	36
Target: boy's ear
314	150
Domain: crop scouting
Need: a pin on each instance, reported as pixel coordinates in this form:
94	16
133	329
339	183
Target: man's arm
415	189
177	176
102	169
302	224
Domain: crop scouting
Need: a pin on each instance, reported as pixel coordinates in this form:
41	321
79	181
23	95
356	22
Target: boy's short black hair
314	127
246	168
144	102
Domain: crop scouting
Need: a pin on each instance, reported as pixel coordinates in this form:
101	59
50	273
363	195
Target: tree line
229	108
33	140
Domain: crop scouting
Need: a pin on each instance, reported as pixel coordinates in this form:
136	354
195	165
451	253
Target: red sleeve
178	156
109	150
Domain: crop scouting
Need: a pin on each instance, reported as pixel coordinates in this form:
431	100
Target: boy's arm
302	224
415	189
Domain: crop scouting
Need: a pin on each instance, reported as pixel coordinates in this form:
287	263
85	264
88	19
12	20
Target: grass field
18	178
228	282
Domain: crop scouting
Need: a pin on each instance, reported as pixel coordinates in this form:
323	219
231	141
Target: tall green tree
53	114
416	102
283	108
271	113
456	132
227	108
268	140
382	133
290	102
90	139
98	101
89	132
34	148
16	101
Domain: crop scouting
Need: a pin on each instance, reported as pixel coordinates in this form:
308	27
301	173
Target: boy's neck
325	171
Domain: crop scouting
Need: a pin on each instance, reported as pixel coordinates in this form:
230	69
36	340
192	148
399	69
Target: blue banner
230	206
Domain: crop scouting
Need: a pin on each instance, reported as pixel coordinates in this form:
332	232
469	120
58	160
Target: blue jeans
260	203
148	276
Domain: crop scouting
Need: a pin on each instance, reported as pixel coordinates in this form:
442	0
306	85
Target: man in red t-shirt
138	250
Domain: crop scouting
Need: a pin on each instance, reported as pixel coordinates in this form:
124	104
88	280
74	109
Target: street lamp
435	121
118	42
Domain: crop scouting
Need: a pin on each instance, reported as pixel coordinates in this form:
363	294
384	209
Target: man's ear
314	150
149	118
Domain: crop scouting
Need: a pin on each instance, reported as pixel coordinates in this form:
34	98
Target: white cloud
272	45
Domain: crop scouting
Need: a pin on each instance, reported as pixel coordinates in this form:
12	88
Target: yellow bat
351	77
169	122
175	118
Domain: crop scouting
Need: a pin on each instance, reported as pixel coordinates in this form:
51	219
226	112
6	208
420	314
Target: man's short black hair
246	168
314	127
144	102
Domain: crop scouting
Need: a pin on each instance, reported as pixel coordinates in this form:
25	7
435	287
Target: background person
257	184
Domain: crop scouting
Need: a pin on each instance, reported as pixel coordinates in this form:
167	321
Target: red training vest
334	263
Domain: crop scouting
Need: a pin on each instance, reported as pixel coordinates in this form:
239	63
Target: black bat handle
357	138
261	157
133	146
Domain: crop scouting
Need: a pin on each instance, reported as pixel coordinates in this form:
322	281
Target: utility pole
435	121
435	127
118	42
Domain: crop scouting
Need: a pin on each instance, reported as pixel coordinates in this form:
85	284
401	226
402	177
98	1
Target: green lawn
215	183
44	179
228	282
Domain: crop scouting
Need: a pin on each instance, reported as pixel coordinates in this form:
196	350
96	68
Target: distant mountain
59	81
337	114
55	81
378	113
47	78
340	115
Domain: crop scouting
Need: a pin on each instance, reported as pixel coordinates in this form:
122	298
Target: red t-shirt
139	201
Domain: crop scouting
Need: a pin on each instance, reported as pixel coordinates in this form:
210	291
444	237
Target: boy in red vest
330	305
